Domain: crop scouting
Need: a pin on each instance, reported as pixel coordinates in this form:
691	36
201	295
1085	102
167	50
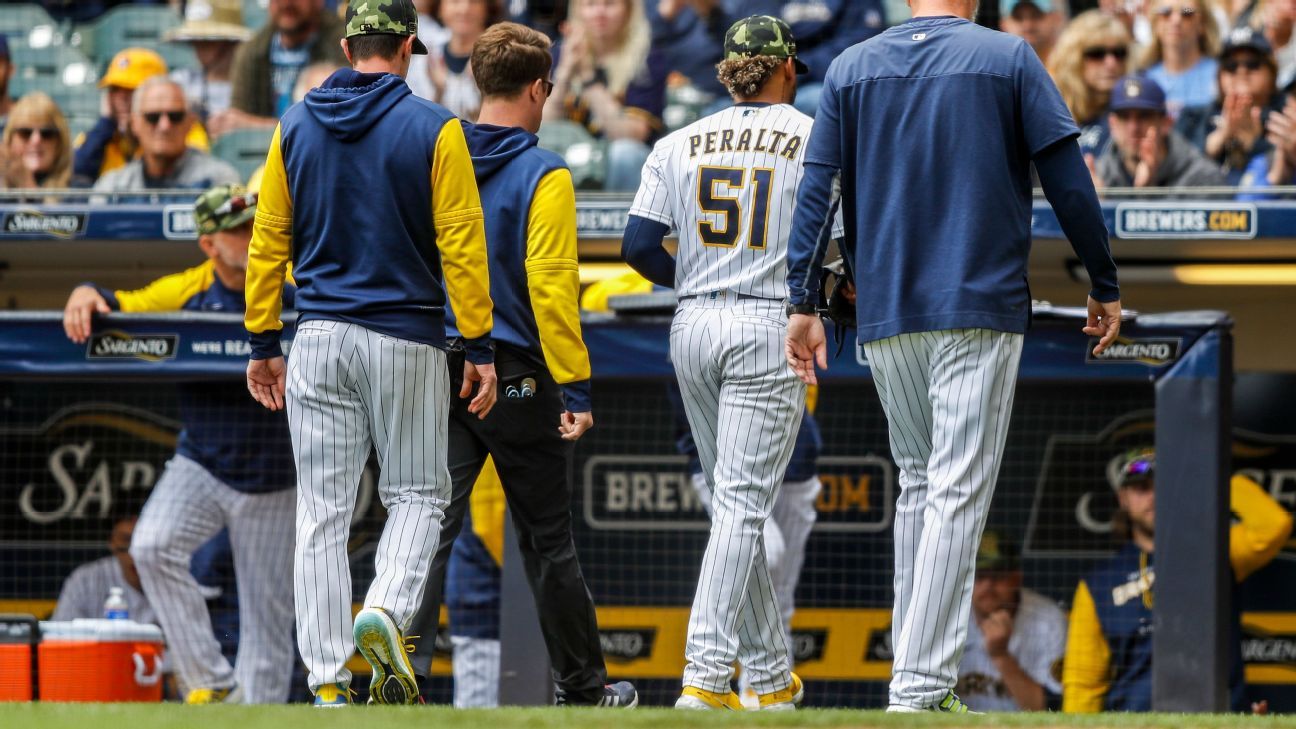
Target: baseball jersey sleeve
1044	116
1049	639
461	238
1260	530
168	293
652	201
79	598
268	256
553	282
1087	667
815	220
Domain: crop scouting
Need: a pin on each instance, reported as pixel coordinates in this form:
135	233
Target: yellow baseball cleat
332	695
788	699
201	696
700	699
380	642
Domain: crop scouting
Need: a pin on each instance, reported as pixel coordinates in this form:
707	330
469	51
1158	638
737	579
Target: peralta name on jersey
764	140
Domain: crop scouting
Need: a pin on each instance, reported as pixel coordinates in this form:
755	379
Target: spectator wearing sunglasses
1181	56
160	120
36	145
1232	131
1145	150
1091	55
1108	662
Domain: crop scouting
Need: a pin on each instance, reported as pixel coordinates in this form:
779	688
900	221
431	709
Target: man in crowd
232	469
1146	151
1108	663
6	73
1038	22
160	119
299	33
1013	659
86	589
214	29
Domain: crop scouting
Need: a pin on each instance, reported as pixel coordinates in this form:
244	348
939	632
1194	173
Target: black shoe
619	695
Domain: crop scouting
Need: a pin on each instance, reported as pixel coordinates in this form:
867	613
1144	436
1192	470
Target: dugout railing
86	424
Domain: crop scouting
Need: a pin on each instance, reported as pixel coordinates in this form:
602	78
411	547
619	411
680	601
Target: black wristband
793	309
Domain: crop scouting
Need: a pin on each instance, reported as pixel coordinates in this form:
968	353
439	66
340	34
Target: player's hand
997	628
1104	322
265	380
573	425
78	314
805	346
485	400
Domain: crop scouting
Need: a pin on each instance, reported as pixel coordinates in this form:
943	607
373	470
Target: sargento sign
1178	220
115	344
1150	351
32	222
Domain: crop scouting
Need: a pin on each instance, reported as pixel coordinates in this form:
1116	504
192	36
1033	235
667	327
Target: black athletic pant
534	465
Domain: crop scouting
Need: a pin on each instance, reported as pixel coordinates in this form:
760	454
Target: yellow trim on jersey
271	248
596	294
487	504
1086	671
168	293
730	220
553	277
756	196
1261	530
460	232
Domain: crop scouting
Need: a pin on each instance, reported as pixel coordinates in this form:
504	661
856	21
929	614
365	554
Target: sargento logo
1151	352
1170	220
116	344
59	225
627	644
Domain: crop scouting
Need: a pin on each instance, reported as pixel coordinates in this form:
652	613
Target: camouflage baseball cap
761	35
383	17
223	207
996	553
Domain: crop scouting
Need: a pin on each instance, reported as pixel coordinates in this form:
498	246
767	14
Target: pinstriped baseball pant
188	507
744	408
948	396
350	389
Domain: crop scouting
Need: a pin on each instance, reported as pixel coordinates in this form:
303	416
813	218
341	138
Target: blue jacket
531	246
369	191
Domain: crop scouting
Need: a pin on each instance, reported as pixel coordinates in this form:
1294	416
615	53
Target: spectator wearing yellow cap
110	143
214	28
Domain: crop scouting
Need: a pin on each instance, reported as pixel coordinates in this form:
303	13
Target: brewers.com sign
1185	220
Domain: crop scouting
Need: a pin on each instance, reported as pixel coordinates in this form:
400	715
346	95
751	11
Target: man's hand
1104	322
574	425
79	312
997	628
265	380
806	346
485	400
1092	165
1149	158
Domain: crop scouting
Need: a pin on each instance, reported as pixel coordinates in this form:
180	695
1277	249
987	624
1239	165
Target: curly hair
745	77
1066	62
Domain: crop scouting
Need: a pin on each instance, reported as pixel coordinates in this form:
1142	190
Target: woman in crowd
608	79
36	144
1090	56
1181	56
444	76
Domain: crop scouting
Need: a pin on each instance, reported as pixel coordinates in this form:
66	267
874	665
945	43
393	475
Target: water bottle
115	606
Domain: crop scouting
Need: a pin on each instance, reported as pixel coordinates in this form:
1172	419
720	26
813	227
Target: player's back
728	184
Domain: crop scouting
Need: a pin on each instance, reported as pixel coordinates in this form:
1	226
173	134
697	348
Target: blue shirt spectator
1181	56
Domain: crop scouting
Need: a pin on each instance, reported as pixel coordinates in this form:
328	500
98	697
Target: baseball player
543	365
931	127
727	184
231	470
369	191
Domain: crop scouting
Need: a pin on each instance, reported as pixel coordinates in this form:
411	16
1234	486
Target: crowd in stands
1166	92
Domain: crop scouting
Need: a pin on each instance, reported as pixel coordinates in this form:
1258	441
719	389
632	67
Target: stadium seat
60	71
586	154
243	148
255	13
126	26
17	21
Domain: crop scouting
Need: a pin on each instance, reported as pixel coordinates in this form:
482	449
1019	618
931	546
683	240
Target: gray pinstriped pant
948	396
350	389
744	408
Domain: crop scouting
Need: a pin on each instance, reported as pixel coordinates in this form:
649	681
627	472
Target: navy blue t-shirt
933	124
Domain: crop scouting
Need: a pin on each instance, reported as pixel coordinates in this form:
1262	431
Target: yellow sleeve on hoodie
1086	670
271	247
1261	529
553	277
460	232
168	293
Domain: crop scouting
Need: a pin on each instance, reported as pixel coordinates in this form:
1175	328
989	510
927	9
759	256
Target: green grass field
158	716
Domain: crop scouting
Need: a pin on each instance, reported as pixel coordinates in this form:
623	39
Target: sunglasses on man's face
175	117
1098	53
25	133
1185	12
1233	64
548	87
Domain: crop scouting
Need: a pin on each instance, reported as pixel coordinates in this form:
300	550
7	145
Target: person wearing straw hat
214	28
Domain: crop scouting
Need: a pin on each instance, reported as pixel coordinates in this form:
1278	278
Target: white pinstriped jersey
727	183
